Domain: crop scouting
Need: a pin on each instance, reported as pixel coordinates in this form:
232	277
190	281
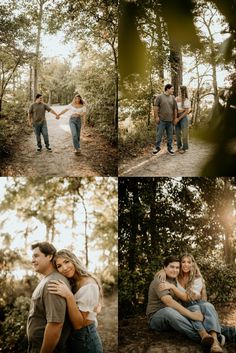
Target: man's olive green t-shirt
154	296
38	111
167	105
47	308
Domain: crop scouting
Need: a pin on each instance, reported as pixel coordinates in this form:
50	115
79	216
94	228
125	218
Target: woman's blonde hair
80	269
193	274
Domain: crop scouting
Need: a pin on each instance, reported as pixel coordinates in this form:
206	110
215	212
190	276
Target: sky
15	226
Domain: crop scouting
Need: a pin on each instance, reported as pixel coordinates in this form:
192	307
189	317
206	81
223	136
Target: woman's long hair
193	274
79	268
184	94
78	96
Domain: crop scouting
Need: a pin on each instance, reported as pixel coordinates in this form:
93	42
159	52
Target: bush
220	279
13	329
109	279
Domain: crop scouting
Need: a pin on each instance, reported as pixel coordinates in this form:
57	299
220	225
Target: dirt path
97	157
108	324
163	164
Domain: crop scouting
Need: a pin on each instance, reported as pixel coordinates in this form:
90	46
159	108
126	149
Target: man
48	326
165	312
165	113
37	117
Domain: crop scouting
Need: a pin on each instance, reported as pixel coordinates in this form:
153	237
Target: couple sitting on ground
177	300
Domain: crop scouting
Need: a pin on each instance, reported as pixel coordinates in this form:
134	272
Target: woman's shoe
216	348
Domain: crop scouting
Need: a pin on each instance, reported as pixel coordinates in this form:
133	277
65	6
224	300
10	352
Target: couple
64	305
177	300
169	111
37	118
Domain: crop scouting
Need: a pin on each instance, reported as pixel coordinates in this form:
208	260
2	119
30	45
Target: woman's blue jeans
85	340
75	127
211	320
181	131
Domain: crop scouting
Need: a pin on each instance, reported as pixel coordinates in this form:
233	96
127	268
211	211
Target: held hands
59	287
57	116
176	120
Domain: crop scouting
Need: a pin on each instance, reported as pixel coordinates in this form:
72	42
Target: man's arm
156	112
30	119
51	337
170	302
53	112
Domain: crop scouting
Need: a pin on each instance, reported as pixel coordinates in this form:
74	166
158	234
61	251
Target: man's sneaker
49	148
156	150
171	152
77	150
39	149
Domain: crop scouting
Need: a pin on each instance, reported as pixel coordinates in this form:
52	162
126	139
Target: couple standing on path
170	112
37	118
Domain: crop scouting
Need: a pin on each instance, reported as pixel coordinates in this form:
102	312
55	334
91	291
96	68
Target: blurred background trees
163	216
75	213
185	42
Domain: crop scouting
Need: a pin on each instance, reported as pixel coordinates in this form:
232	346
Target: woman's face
65	267
186	264
77	100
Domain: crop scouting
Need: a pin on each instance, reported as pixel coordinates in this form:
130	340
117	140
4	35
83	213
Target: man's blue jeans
167	318
181	131
41	128
75	127
161	128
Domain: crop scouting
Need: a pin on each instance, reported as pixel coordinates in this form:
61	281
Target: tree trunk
38	39
176	66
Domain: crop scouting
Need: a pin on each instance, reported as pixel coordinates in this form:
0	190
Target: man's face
40	261
170	90
39	99
172	270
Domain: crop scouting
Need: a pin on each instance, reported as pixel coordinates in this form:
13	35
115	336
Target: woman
181	123
78	113
83	303
191	290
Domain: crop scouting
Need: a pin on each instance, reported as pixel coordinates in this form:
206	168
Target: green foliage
109	279
220	279
163	216
13	329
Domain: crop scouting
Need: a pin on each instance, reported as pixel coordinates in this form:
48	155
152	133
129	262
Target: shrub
13	329
109	279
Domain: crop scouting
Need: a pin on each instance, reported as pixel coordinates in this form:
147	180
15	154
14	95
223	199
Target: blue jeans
167	318
161	128
211	320
75	127
181	130
85	340
41	128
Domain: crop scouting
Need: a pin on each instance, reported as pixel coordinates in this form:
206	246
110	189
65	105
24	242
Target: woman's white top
196	286
187	104
79	110
87	299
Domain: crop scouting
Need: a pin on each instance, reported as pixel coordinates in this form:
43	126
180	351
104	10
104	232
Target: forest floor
97	157
163	164
108	324
136	337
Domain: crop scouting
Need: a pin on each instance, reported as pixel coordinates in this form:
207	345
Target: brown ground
97	157
135	337
108	324
163	164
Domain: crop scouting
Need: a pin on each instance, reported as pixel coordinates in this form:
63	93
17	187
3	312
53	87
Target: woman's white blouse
196	287
87	299
187	104
76	110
